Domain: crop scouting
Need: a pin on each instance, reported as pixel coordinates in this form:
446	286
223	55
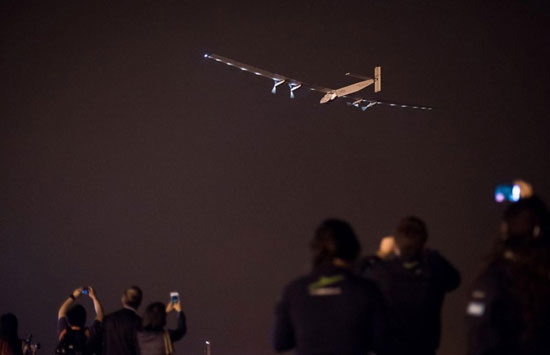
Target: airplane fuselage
346	90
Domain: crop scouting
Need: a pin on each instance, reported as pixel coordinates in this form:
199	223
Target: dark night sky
127	158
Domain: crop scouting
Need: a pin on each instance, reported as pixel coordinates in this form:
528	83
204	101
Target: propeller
371	103
293	87
277	83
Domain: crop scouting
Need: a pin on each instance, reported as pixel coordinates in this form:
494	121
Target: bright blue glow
206	55
507	192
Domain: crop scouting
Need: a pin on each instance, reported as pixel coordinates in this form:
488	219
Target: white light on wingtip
206	55
207	342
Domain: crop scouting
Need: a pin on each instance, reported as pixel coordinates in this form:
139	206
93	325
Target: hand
91	292
387	247
525	188
77	292
177	306
173	307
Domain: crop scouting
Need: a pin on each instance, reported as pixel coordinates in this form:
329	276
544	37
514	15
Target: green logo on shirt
325	281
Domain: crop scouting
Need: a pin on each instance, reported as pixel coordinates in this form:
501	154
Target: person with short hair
120	328
71	325
331	310
154	339
414	281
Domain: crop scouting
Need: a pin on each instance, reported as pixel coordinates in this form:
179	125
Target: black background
128	158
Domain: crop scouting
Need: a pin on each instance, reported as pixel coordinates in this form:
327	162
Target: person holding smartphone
414	281
508	312
71	324
154	339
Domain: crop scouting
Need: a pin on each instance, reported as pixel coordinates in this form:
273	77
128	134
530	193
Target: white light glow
516	190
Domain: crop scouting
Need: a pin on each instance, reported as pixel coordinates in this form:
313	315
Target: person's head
132	297
334	239
410	237
76	315
524	222
8	326
154	318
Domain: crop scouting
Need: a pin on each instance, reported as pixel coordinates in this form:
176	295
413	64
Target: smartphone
507	192
85	291
174	297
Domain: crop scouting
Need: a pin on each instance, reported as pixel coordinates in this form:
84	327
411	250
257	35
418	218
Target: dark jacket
509	311
120	332
330	311
413	292
152	342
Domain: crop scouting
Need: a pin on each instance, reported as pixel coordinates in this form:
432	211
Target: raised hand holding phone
174	302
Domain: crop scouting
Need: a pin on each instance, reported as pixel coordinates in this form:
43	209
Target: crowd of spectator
123	332
387	303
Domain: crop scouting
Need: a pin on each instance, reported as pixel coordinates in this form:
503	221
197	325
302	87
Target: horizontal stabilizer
358	76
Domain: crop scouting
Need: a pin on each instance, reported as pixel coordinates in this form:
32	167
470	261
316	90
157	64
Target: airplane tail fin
377	79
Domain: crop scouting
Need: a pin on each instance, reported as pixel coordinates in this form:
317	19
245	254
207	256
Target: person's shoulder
362	283
122	313
62	324
297	282
369	263
433	256
497	272
112	315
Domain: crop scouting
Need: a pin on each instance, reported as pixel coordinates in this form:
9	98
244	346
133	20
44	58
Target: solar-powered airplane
330	94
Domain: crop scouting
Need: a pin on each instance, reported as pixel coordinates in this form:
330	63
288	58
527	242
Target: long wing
359	102
278	78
